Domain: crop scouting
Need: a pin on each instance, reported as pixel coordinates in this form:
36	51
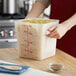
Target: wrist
68	24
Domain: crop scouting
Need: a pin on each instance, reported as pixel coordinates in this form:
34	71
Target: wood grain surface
69	62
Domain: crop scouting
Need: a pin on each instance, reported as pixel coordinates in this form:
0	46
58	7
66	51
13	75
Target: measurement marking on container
26	31
30	25
28	51
30	33
27	41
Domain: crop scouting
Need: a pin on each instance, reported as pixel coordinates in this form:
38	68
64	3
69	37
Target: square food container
32	40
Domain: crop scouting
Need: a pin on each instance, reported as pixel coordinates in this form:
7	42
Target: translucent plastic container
32	40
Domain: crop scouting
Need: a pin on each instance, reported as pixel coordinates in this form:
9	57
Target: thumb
52	28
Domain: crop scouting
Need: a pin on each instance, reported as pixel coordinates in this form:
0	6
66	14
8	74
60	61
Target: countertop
69	62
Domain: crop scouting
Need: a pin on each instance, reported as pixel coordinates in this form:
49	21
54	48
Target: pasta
38	21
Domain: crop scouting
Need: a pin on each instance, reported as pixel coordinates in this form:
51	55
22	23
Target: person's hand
57	31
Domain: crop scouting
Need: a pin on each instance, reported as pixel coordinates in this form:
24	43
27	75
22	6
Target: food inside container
38	21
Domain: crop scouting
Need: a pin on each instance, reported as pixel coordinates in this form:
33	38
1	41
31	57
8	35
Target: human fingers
54	34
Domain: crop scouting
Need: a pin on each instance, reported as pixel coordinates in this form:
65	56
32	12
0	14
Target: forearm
36	10
70	22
